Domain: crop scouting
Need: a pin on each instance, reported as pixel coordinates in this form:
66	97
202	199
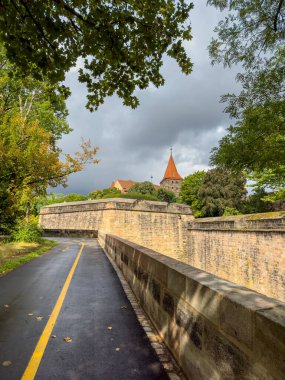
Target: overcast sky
184	113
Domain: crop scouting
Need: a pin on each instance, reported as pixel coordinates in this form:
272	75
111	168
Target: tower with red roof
172	179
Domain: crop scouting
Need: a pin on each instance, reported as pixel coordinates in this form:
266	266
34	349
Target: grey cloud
185	113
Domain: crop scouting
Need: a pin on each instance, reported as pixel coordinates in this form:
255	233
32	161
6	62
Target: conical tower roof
171	171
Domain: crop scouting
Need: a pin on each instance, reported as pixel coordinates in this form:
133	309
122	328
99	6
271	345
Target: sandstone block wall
157	225
215	329
248	250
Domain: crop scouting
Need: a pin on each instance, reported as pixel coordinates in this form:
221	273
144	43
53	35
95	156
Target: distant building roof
127	184
171	171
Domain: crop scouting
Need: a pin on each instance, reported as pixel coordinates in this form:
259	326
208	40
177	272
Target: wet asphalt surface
92	304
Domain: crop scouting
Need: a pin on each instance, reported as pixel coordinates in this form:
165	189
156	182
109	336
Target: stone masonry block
168	303
269	345
155	290
195	363
159	271
191	322
136	258
230	361
237	311
125	258
237	321
204	299
176	283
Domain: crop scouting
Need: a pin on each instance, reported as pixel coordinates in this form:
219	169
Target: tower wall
172	185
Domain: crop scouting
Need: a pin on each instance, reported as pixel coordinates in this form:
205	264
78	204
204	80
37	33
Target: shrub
27	232
142	188
231	211
166	195
96	194
148	197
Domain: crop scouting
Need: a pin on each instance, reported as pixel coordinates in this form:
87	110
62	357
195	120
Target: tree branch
37	24
74	13
277	14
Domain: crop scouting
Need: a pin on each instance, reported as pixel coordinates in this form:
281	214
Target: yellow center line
38	353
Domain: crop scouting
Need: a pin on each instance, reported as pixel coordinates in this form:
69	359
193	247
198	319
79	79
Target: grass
13	255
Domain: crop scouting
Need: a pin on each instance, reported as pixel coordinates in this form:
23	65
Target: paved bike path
93	303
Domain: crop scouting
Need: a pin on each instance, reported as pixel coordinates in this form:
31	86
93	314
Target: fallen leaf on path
30	314
67	339
110	328
53	336
117	349
39	318
6	306
6	363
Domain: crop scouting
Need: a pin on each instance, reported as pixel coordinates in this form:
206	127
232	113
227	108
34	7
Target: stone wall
157	225
215	329
248	250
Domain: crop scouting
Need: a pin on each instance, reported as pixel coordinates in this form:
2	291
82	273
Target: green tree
189	191
26	101
95	194
120	43
139	196
256	202
73	198
229	211
252	34
105	193
221	189
111	191
166	195
33	99
48	199
142	188
271	182
44	200
257	145
32	119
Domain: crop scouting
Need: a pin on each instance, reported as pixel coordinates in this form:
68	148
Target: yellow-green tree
30	163
32	120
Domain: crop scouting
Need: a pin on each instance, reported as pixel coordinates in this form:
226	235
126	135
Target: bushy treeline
221	192
213	193
144	190
141	190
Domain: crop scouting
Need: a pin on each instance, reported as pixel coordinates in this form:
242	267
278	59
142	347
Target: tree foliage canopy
142	188
165	195
258	141
253	34
221	189
32	119
108	192
119	43
189	191
30	163
33	99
